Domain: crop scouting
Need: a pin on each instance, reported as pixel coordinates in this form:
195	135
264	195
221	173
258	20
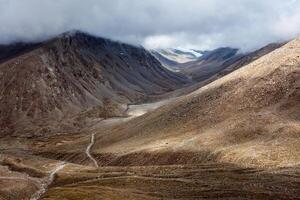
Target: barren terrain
237	137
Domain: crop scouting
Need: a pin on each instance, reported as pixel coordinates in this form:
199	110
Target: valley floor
207	181
22	174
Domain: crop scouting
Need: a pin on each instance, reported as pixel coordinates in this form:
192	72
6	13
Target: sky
199	24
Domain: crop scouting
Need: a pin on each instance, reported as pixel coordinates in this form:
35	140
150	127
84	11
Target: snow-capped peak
180	55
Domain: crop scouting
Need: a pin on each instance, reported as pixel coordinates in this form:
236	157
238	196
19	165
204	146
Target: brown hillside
46	88
249	117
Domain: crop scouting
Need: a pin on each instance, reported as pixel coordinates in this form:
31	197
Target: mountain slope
249	117
222	61
167	62
76	73
236	138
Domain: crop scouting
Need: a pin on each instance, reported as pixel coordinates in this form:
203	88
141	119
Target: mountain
43	85
222	61
235	138
173	57
248	118
84	117
205	66
210	63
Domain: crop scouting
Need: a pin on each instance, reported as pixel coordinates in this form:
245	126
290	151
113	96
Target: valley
89	118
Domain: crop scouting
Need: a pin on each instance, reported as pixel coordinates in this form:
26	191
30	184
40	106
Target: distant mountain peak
172	57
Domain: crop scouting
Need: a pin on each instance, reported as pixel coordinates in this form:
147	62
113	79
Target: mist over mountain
194	24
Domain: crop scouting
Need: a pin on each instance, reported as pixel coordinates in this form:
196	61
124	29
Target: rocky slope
53	85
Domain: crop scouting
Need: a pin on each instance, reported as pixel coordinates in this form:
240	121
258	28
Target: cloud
204	24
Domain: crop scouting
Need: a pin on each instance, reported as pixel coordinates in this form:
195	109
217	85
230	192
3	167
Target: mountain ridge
76	72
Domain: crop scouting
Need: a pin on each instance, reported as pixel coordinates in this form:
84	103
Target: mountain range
85	117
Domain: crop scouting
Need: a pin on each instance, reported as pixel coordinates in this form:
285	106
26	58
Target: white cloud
288	25
246	24
159	41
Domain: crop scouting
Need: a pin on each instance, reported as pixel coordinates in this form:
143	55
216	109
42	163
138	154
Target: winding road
132	111
88	150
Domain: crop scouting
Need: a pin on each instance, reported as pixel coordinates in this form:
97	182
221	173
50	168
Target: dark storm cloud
203	24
